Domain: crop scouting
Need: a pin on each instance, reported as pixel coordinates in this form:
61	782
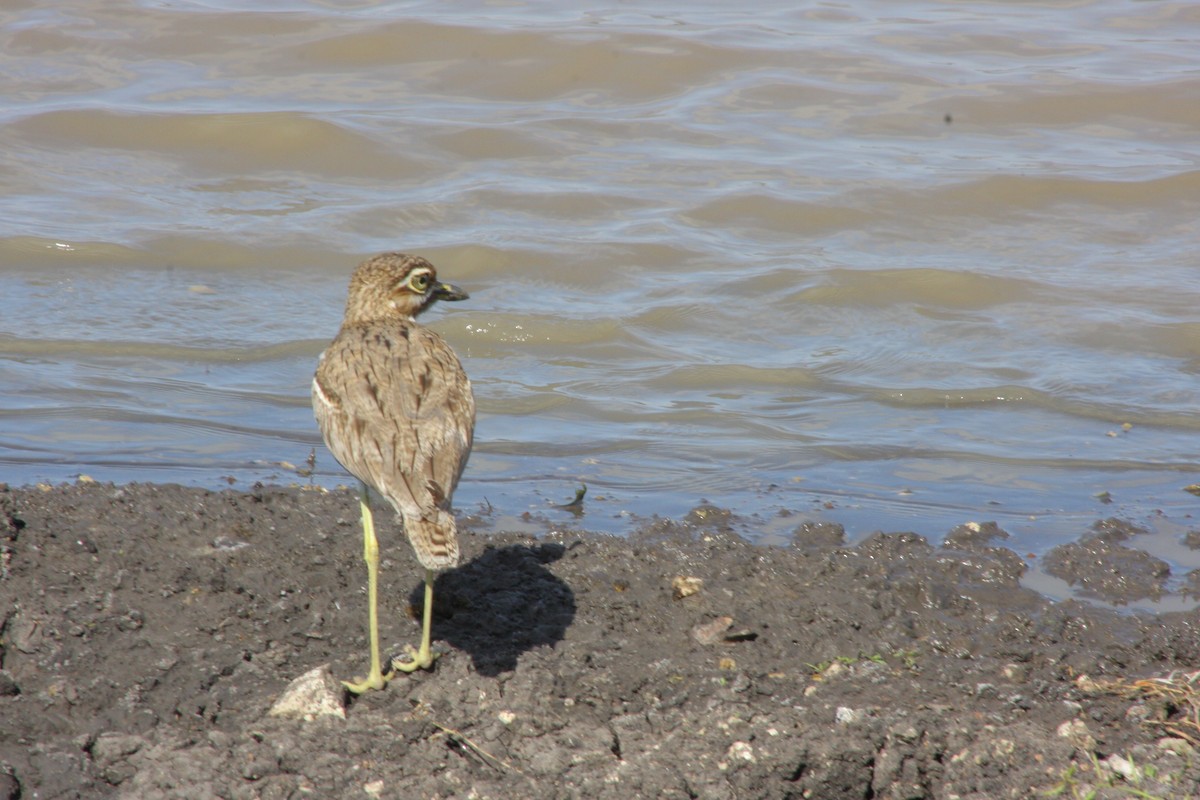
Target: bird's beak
446	291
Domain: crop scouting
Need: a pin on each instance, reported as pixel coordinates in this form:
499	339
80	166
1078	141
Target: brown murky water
886	264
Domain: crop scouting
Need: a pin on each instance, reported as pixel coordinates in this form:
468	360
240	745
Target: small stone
685	586
834	670
111	746
228	543
1124	767
1077	731
132	621
711	632
1138	712
1015	673
740	751
846	716
314	694
111	753
220	740
1180	747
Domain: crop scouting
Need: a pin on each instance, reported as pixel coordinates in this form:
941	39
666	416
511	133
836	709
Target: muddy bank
146	630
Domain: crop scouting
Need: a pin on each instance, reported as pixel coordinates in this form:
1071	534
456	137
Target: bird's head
393	285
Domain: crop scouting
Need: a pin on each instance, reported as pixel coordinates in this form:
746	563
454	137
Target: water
894	265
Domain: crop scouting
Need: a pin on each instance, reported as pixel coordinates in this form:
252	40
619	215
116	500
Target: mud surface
146	631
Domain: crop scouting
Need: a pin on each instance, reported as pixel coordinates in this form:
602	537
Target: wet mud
147	632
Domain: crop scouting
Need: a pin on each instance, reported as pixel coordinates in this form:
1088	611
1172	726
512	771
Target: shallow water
894	265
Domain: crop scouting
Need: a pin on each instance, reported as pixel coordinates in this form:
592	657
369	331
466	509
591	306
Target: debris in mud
712	631
685	586
1177	696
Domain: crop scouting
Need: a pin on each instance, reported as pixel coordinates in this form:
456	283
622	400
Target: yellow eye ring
419	282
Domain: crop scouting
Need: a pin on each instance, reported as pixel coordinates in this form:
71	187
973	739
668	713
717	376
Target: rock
740	751
111	747
1180	747
685	586
1076	731
314	694
111	753
848	716
1124	767
711	632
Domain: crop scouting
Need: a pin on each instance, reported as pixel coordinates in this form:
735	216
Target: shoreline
148	629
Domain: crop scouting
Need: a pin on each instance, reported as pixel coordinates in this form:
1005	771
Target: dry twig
1181	693
462	739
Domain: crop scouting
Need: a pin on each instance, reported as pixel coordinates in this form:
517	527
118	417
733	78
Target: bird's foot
417	659
376	679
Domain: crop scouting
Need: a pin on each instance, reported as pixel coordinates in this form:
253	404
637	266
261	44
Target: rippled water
895	265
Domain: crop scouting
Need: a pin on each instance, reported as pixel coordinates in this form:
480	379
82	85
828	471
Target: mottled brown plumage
397	411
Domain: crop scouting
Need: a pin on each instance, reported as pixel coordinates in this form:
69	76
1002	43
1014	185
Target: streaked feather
397	411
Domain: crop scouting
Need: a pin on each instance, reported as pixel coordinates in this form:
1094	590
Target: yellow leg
375	678
424	657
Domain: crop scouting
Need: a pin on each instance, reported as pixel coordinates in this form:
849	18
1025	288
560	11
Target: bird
396	409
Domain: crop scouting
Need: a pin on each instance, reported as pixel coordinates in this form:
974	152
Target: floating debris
576	505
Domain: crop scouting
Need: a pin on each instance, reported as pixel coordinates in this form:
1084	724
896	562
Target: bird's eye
419	282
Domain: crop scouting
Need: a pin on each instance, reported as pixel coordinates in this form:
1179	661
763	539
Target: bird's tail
434	537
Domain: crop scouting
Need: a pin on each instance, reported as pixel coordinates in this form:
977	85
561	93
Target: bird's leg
375	678
424	657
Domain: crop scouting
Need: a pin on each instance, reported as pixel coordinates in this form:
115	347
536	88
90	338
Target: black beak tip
446	291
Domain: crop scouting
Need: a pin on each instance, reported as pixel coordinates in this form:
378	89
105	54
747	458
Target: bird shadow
500	604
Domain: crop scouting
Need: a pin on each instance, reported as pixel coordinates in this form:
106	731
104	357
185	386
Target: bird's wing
396	409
